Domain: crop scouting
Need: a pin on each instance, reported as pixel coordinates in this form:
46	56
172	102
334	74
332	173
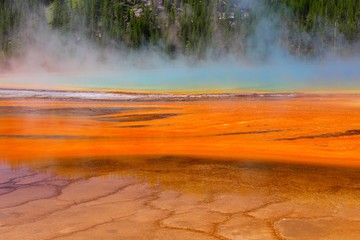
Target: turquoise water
286	75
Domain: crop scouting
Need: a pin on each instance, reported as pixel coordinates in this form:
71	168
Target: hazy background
260	59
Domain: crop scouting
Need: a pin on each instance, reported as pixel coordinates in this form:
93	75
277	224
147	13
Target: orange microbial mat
218	167
305	129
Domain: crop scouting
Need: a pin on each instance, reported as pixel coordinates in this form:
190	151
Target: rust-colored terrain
315	129
249	167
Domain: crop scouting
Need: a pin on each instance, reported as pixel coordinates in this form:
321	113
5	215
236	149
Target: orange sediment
312	130
158	170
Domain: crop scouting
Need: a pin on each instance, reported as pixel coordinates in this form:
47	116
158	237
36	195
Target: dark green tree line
187	26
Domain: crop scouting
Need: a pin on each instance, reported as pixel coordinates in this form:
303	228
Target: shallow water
250	167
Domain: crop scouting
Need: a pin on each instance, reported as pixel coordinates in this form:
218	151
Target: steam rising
51	59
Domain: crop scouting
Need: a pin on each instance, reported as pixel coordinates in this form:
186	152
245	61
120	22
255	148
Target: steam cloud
51	59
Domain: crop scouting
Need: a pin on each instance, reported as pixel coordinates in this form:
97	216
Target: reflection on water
314	129
180	170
